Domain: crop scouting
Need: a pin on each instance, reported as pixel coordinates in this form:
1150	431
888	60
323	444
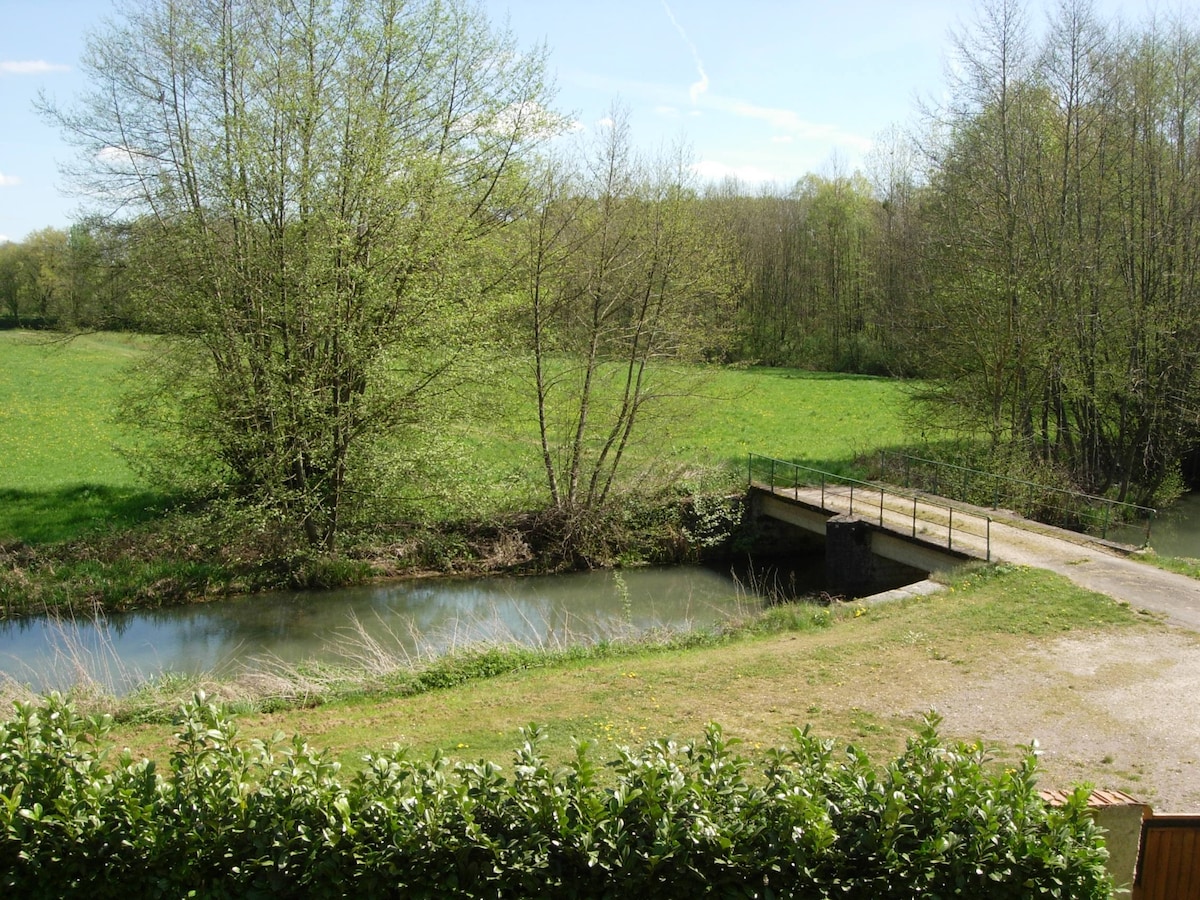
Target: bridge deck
1090	563
931	520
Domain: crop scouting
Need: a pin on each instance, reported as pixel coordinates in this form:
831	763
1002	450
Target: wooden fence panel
1169	859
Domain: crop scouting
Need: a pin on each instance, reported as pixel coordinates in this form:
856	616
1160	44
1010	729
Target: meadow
65	462
858	674
62	471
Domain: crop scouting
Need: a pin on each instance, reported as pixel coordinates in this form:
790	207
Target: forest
321	211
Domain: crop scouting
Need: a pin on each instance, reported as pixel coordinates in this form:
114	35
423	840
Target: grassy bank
865	675
79	531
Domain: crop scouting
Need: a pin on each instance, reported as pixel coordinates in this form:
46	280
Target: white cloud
122	157
701	86
711	170
9	180
606	122
793	124
528	118
30	67
5	239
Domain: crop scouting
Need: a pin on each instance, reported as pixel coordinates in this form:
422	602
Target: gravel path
1124	704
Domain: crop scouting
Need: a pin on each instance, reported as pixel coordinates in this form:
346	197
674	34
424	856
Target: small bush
234	818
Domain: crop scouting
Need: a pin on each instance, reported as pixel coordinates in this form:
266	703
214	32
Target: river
408	619
1176	532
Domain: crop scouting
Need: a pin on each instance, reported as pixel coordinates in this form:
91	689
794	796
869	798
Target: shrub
234	818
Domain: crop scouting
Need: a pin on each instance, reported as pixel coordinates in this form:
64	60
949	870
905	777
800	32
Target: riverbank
216	551
1006	654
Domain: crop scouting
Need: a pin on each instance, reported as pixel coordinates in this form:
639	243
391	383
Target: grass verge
1179	565
862	675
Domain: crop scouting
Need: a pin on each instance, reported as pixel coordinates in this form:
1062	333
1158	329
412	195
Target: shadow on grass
44	517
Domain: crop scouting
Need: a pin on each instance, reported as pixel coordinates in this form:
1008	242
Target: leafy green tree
303	181
43	273
10	279
1061	222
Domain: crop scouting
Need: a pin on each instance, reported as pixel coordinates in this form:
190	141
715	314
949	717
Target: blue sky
766	90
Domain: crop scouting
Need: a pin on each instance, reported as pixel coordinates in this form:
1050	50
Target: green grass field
61	472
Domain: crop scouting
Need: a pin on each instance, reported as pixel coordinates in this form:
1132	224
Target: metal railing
779	474
1066	508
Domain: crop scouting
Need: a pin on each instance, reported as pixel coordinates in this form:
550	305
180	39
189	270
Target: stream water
1176	532
407	619
418	619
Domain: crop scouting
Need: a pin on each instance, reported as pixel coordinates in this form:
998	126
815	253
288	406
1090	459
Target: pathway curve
1095	565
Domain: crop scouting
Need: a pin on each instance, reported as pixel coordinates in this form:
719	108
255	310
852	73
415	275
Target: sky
763	90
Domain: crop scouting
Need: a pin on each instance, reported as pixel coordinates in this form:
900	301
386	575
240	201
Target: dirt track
1127	705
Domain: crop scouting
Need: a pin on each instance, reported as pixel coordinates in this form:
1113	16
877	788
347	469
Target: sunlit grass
57	405
61	473
706	418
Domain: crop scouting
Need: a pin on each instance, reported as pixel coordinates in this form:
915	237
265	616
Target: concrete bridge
867	526
930	533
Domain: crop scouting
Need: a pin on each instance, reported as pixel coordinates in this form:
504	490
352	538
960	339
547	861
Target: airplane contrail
698	87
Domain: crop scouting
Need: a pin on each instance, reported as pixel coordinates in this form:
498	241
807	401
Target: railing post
881	507
852	498
1104	530
914	517
950	530
989	538
772	474
1149	522
822	490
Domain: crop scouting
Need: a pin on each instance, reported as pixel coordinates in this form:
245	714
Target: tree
1061	250
620	278
302	181
10	279
43	275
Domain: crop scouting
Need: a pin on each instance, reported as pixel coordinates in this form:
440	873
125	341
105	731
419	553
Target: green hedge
237	818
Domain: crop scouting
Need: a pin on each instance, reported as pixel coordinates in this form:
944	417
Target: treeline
1059	247
67	278
1030	250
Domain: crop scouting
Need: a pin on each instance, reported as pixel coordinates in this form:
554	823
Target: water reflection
415	618
1176	532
